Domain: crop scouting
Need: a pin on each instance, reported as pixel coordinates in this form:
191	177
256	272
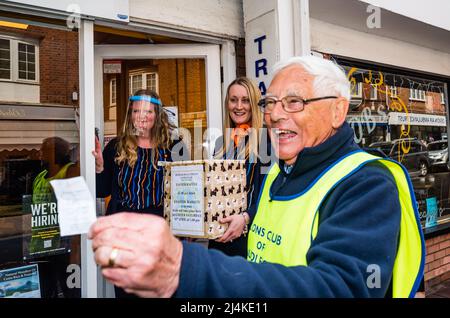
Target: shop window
356	91
414	135
373	92
143	81
19	60
442	99
38	143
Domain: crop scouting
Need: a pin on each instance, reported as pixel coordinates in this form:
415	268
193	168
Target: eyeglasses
291	104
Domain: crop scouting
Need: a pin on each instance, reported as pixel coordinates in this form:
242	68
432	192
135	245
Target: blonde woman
128	170
243	133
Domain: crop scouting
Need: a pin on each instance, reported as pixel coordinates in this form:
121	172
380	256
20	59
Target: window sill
437	230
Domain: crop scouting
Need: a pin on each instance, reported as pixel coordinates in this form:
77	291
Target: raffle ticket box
197	193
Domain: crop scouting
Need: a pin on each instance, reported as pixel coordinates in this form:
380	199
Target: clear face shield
142	114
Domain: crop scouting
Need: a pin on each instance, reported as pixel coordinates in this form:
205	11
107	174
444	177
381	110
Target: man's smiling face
292	132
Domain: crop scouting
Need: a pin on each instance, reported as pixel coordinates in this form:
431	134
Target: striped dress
137	189
141	186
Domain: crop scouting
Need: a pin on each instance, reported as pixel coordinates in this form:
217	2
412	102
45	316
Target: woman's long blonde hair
160	133
254	95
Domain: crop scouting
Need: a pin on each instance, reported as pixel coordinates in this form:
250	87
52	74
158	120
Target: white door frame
87	162
209	52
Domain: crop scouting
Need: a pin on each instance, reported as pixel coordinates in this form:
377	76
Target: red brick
429	242
445	276
441	238
444	245
429	258
429	275
435	264
438	271
439	254
433	249
446	260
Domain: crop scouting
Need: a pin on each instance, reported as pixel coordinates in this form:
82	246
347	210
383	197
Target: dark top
132	189
359	225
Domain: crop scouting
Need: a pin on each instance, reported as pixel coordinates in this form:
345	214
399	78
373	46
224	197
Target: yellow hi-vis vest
283	228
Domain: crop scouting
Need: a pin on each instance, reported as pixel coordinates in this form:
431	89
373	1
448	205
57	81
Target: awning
28	135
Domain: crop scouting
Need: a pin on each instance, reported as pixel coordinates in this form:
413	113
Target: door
187	78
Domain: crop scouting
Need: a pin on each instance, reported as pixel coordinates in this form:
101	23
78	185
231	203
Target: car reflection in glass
416	160
438	155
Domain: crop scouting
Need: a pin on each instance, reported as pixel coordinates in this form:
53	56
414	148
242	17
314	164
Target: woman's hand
98	156
236	225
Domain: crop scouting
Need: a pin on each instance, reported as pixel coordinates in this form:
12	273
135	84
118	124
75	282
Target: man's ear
339	111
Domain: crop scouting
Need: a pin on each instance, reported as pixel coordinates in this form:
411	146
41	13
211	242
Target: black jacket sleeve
105	178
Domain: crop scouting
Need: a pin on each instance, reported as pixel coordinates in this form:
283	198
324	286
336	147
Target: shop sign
20	282
378	119
31	112
112	67
261	49
417	119
45	236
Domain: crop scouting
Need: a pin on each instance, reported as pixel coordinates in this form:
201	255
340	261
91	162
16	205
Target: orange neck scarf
238	132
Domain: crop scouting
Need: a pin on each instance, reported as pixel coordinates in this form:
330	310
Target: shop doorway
186	77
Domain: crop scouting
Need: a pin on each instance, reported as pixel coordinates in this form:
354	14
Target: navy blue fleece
358	226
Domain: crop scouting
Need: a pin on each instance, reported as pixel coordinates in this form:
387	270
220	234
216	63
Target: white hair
329	78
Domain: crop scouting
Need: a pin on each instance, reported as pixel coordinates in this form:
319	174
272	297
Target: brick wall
58	62
437	261
58	57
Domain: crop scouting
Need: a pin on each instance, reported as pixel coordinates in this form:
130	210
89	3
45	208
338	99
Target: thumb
225	220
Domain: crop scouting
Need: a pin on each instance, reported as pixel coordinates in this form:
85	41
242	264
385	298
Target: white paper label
187	201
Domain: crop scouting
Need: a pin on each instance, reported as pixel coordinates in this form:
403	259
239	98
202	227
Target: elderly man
332	220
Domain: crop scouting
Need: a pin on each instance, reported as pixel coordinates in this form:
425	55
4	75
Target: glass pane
4	44
151	81
22	57
4	54
409	125
31	67
31	57
136	83
22	47
22	66
39	141
5	74
5	64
